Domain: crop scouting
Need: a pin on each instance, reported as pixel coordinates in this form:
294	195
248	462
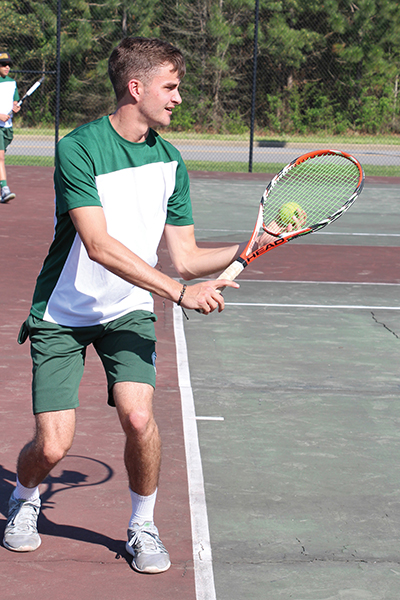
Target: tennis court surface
280	418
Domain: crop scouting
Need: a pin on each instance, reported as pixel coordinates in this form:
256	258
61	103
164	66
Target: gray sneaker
6	195
21	534
148	551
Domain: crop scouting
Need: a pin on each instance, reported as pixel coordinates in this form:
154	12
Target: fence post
253	93
58	76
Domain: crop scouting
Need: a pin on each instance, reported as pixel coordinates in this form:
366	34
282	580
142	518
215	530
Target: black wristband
182	294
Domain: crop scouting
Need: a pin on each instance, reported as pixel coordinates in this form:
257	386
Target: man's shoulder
160	139
7	79
168	147
86	139
100	145
88	131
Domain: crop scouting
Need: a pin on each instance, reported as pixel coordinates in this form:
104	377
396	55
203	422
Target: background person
8	103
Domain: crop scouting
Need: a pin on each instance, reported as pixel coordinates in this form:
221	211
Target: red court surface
85	500
86	504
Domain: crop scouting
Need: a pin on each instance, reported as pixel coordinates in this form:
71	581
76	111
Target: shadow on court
53	485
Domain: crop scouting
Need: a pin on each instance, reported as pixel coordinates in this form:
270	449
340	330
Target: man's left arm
192	261
15	107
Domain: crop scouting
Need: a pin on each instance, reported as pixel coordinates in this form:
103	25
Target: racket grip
232	271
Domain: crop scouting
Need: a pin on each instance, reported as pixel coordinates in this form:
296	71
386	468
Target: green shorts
125	346
6	137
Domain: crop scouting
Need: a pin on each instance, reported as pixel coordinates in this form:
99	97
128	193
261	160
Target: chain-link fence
327	75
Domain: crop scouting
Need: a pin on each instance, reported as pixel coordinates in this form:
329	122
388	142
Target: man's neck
127	126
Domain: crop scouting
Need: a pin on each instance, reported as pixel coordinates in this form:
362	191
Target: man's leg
6	195
53	438
3	175
134	402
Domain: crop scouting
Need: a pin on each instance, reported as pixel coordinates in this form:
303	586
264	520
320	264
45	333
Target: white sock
23	493
142	508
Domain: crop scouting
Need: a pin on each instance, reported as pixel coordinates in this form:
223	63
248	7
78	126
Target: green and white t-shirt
141	187
8	93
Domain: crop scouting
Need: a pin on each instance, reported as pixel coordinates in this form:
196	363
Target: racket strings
320	185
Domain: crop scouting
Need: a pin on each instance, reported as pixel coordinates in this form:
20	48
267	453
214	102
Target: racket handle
232	271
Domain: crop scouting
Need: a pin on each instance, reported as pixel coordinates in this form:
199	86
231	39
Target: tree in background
214	37
331	66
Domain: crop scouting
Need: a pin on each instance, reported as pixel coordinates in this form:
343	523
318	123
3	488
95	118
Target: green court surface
296	390
226	211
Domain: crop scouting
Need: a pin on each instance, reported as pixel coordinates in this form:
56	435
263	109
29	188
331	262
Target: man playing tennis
118	186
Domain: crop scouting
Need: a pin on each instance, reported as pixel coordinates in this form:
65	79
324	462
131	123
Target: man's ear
135	88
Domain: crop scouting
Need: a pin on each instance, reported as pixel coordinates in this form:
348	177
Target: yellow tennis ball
288	211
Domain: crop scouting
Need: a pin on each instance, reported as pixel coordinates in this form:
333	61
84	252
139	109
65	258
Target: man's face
4	69
161	96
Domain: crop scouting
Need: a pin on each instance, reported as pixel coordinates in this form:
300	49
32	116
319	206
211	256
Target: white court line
354	233
315	282
348	233
341	306
210	419
308	282
202	557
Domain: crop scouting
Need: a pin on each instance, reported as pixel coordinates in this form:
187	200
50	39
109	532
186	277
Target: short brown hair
139	58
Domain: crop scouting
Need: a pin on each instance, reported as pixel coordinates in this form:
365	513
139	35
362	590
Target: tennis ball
287	212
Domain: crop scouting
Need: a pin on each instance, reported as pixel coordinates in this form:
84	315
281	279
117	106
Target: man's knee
54	435
139	423
52	453
48	451
135	407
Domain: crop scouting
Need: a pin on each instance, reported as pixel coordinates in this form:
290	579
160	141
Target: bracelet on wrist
182	294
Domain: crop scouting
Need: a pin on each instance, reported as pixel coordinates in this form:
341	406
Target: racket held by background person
32	89
308	194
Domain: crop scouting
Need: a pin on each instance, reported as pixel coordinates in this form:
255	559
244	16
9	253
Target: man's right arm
90	223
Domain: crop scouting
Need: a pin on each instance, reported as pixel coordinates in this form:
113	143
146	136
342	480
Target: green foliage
183	118
332	66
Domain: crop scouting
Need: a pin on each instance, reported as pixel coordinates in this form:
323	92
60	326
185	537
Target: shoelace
25	515
147	542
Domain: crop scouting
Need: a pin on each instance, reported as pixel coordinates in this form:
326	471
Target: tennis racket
32	89
308	194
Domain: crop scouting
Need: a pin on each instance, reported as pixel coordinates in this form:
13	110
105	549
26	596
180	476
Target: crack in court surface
385	326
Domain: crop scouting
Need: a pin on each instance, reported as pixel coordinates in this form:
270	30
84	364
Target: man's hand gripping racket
308	194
